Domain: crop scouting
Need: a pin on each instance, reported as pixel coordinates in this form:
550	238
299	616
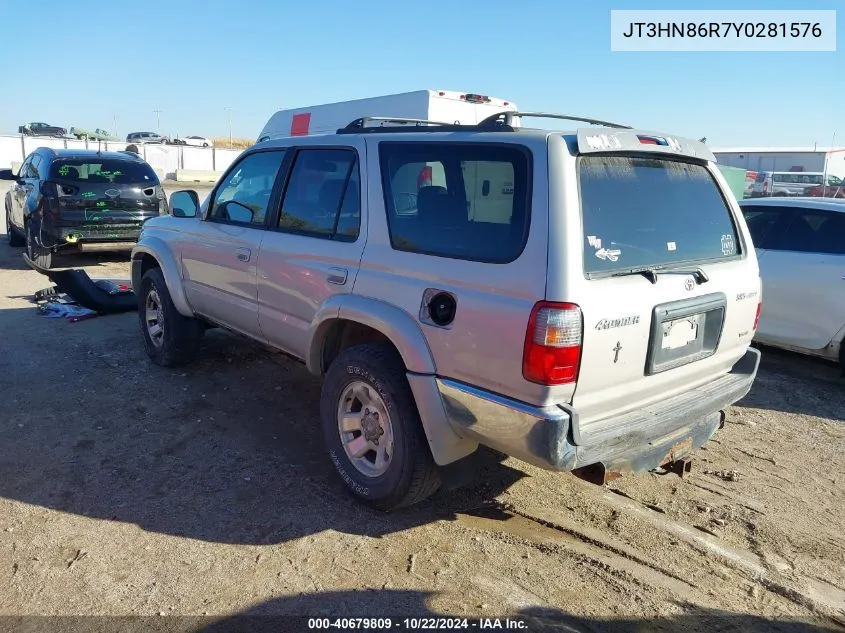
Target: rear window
118	172
645	212
459	200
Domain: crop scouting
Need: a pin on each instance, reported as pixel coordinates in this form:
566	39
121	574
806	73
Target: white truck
444	106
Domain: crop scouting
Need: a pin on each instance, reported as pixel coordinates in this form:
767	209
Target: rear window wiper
697	273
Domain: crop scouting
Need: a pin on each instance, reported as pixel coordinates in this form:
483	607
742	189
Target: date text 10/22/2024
417	624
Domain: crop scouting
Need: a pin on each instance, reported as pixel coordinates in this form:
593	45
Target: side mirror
7	174
184	204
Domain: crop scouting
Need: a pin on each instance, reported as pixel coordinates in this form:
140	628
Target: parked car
41	129
146	137
83	200
800	245
195	141
835	189
96	135
598	330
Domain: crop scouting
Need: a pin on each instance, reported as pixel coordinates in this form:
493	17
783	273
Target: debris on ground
726	475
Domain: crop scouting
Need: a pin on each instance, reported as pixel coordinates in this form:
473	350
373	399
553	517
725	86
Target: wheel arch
154	253
348	319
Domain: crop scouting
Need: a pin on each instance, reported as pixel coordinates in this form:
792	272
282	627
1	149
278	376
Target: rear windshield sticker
670	246
594	241
728	246
612	255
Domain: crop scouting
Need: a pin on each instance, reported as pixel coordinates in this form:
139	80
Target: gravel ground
128	489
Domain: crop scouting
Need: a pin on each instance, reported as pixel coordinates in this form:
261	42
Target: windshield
118	172
646	212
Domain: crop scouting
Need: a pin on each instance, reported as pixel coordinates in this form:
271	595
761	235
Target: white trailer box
443	106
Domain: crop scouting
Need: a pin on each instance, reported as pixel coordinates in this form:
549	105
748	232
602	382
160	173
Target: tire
39	255
16	240
180	336
376	373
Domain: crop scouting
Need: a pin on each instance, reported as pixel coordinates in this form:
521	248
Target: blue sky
83	63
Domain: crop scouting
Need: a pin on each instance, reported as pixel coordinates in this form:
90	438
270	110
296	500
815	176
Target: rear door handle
337	275
243	254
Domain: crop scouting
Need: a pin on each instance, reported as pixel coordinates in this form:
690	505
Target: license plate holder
680	332
685	331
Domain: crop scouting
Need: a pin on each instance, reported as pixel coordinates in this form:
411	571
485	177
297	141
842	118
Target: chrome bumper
550	437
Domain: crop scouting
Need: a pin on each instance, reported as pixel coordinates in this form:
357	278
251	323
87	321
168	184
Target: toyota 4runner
583	301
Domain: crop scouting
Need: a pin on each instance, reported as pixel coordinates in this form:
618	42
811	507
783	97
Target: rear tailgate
107	203
654	204
104	191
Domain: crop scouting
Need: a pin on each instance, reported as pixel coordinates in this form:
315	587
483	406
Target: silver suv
583	301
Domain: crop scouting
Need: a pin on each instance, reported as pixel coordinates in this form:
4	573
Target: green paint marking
101	204
64	170
88	194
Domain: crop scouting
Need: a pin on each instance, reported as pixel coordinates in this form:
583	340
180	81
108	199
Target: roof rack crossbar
506	119
359	123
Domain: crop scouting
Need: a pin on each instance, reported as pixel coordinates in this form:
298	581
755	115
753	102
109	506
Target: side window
814	232
322	197
760	222
24	168
32	167
834	180
244	194
462	201
40	167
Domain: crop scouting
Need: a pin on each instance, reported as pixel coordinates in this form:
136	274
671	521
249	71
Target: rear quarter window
647	212
466	201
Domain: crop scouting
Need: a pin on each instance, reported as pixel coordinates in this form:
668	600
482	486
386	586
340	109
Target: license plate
680	333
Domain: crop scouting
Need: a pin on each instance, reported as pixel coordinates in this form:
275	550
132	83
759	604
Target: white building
830	160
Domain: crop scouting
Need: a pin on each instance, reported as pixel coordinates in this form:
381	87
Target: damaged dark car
80	200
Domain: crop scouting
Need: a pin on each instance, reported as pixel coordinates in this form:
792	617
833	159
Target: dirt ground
128	489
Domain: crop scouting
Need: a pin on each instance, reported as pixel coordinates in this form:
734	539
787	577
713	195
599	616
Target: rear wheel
372	428
15	238
40	256
170	339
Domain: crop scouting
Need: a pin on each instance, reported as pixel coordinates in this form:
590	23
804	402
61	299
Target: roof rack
500	122
416	125
505	119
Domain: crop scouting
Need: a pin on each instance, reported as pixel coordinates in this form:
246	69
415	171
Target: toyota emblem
689	284
112	193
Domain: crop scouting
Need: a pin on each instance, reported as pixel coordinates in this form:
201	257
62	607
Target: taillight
757	316
552	352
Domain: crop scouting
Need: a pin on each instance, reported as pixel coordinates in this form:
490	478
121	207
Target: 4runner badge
607	324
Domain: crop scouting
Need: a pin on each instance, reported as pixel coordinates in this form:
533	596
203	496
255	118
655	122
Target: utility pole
229	110
158	120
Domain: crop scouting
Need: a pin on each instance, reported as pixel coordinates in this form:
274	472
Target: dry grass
222	142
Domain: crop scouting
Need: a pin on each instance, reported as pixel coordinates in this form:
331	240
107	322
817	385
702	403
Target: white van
445	106
785	183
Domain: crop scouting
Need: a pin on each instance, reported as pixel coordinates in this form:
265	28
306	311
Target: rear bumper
642	440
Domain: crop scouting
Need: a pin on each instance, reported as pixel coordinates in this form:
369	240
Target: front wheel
372	428
15	238
40	256
170	339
